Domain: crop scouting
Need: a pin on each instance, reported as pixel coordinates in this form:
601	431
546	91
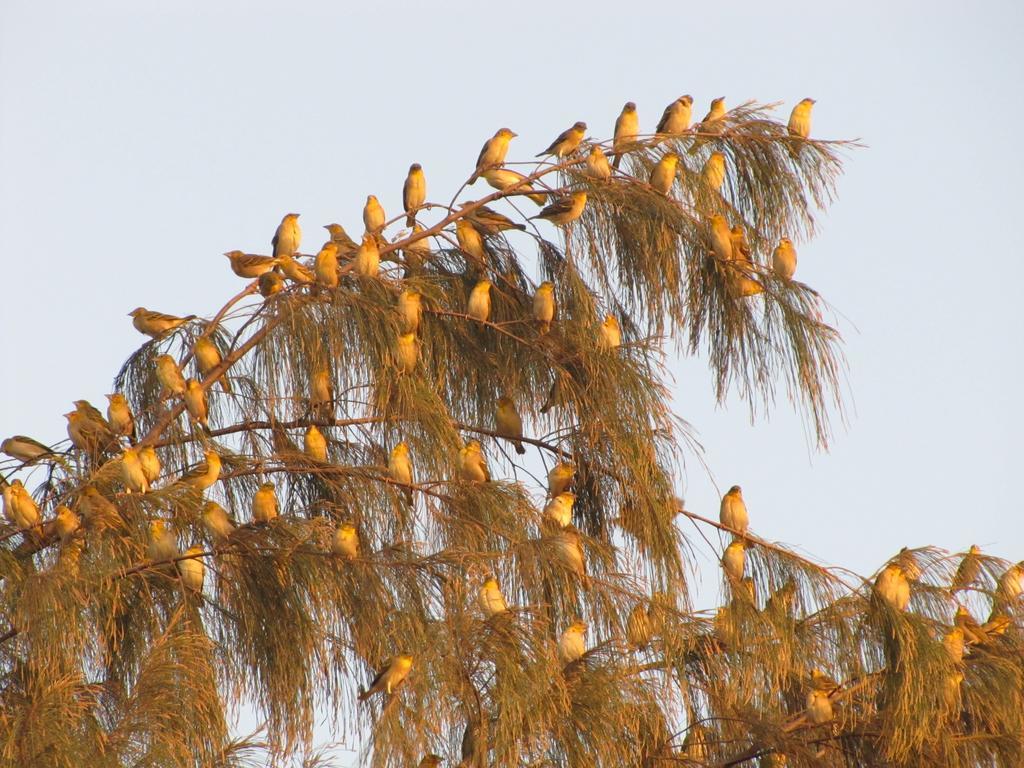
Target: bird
131	471
638	627
406	352
800	119
325	265
250	265
89	431
195	402
216	521
597	166
473	463
150	463
492	602
784	259
400	468
288	236
414	192
19	506
741	248
734	560
163	544
479	305
391	675
64	523
119	416
340	238
559	509
509	423
953	642
565	209
560	478
169	375
733	511
373	215
417	251
156	324
713	171
270	283
968	570
204	474
264	504
25	449
470	241
493	153
410	309
367	262
663	175
321	391
314	444
715	113
742	286
569	548
192	569
627	128
504	179
544	306
567	142
892	586
610	336
98	510
490	222
819	707
973	632
346	541
675	120
1011	582
721	238
207	358
572	645
295	271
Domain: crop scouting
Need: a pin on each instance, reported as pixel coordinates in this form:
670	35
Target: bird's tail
519	448
410	220
544	326
616	160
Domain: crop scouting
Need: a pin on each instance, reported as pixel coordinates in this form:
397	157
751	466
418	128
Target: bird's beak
514	134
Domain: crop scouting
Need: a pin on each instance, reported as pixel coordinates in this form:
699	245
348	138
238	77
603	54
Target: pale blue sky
143	139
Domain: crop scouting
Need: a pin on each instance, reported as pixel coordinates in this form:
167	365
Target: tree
338	522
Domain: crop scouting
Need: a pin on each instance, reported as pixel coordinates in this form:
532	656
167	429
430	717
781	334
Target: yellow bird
163	544
733	511
479	305
734	560
195	402
892	586
25	449
389	676
564	210
721	238
346	245
627	128
119	416
321	391
610	336
373	215
98	510
572	645
346	541
597	166
544	306
819	707
473	464
64	524
559	509
638	627
204	474
400	468
953	642
560	478
207	358
491	601
150	463
470	241
410	309
715	113
406	352
1011	583
192	569
264	504
784	259
741	248
270	283
414	192
367	263
131	471
675	120
490	222
743	287
492	155
800	119
216	521
249	265
169	375
156	324
288	236
968	570
19	506
505	180
569	548
509	423
567	142
663	176
314	444
295	270
325	265
713	172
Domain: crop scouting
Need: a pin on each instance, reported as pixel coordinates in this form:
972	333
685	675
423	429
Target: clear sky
141	140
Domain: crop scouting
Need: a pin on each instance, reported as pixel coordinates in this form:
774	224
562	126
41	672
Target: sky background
141	140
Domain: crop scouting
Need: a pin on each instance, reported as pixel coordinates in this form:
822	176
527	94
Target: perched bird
784	259
314	444
156	324
663	175
204	474
569	548
968	625
367	263
406	352
373	215
89	431
564	210
741	248
192	569
321	391
150	463
473	464
560	478
597	166
715	113
733	511
492	602
270	283
721	238
505	179
346	541
264	504
169	375
287	237
567	142
25	449
544	306
800	119
819	707
410	309
19	506
713	171
1011	583
400	468
340	238
207	358
131	471
98	510
509	422
470	241
968	570
638	627
610	336
64	524
892	586
195	402
391	675
559	509
492	155
479	305
295	271
675	120
572	645
953	642
734	560
490	222
249	265
742	286
627	128
119	416
216	521
163	544
414	192
325	265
